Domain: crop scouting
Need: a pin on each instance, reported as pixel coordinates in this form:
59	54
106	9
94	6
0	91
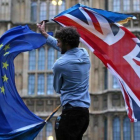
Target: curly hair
68	35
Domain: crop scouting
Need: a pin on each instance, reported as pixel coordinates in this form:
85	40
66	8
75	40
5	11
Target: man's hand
41	27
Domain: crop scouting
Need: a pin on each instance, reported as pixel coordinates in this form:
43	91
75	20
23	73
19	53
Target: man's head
68	38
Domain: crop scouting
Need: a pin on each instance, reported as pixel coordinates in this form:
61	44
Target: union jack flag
113	44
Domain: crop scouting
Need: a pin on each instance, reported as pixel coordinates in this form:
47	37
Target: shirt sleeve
58	79
51	41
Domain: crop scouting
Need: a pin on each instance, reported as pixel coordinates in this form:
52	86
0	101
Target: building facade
34	78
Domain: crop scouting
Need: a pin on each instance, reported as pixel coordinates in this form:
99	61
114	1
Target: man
71	80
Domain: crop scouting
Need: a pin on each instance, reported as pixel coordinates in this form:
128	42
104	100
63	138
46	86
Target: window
137	131
106	4
50	58
47	10
5	10
105	129
39	75
32	60
115	83
116	129
49	130
41	84
52	11
50	84
105	78
116	5
61	7
43	11
136	5
34	11
41	59
126	129
126	5
31	84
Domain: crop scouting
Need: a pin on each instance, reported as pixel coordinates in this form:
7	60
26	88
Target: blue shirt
71	75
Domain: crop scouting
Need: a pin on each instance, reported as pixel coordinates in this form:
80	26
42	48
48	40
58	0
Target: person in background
71	81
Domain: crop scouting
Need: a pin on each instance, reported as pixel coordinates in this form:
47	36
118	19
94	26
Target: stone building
33	73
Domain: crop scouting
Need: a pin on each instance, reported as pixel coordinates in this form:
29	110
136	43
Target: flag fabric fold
16	120
29	133
113	44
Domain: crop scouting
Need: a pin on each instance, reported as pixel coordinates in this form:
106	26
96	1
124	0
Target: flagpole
54	111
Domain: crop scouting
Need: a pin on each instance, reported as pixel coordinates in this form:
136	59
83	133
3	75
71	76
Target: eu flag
17	122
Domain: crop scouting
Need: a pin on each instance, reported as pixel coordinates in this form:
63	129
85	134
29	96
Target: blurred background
33	70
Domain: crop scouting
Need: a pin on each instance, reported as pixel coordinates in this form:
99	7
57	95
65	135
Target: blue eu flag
17	122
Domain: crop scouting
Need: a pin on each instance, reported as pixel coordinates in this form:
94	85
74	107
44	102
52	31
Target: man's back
71	77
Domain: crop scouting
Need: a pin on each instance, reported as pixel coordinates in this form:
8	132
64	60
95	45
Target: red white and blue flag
113	44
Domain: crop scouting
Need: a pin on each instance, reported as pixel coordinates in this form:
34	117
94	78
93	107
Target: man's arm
51	41
58	79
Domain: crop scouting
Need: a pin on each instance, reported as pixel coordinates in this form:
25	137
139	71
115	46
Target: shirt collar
72	50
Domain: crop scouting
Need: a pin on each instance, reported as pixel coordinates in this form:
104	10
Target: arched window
49	131
41	59
105	129
116	5
43	11
137	131
34	11
126	129
50	84
126	5
50	58
32	60
41	84
116	129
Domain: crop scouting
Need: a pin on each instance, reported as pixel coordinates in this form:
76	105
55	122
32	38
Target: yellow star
6	53
5	65
7	47
2	89
1	45
5	78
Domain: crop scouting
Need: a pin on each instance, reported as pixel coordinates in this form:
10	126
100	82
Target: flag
17	122
113	44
